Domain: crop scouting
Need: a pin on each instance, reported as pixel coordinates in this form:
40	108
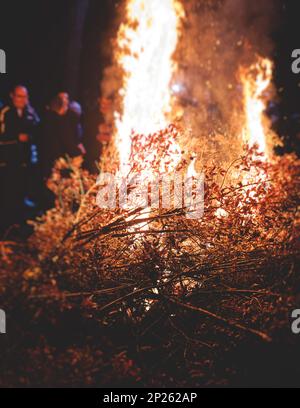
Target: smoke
254	21
218	37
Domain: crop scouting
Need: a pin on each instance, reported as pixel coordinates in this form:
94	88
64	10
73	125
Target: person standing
18	127
60	137
61	133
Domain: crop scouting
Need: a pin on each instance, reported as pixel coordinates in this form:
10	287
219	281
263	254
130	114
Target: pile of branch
187	285
176	261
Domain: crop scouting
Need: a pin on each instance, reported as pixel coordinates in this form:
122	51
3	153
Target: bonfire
173	285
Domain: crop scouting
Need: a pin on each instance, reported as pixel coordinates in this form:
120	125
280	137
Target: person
61	134
18	126
76	108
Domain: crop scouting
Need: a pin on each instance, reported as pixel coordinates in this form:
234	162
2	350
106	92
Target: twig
81	294
221	319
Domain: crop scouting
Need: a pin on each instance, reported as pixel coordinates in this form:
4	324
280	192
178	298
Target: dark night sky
51	44
54	44
29	31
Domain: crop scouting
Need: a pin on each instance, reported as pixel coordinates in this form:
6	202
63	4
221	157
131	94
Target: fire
191	172
146	42
256	80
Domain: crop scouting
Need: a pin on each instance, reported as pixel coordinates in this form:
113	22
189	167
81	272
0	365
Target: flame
256	79
191	172
146	43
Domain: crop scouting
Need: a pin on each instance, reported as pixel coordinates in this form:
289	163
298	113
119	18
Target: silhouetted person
18	126
60	133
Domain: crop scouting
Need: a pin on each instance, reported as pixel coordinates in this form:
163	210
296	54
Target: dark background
64	44
55	45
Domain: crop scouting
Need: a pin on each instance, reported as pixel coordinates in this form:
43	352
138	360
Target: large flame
256	79
147	42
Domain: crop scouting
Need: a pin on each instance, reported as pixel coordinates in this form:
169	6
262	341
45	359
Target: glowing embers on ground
147	42
256	80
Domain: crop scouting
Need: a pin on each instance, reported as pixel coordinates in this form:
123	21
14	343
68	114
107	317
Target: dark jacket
60	136
12	124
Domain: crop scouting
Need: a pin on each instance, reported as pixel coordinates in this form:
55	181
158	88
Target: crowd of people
29	146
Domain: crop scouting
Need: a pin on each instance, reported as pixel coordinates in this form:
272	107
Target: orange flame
147	42
256	80
191	172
